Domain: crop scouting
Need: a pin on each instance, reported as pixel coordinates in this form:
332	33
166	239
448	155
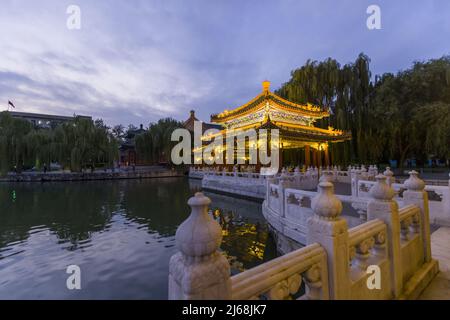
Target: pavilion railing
387	257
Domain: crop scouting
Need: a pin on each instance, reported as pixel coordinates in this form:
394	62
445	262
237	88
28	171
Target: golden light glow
266	86
309	109
295	121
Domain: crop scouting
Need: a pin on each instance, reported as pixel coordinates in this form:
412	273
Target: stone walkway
439	288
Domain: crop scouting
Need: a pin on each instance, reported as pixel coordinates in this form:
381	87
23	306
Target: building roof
42	116
189	124
295	122
260	102
300	133
294	133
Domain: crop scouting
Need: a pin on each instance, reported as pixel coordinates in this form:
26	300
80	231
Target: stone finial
389	176
199	271
414	183
297	170
326	177
284	175
199	235
325	204
381	190
266	86
388	173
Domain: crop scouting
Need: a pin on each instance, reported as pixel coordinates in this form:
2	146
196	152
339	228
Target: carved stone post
326	177
283	184
297	177
389	176
354	178
269	180
382	207
417	195
331	232
199	271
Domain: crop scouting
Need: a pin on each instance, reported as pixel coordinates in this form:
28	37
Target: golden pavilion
295	123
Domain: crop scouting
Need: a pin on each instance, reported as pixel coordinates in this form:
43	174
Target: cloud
138	61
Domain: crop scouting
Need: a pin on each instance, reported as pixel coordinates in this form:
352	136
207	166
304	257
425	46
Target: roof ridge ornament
266	86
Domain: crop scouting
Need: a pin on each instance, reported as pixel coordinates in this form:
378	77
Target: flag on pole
11	104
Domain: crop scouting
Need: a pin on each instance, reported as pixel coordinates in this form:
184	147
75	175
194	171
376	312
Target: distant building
41	120
189	124
127	150
128	154
294	122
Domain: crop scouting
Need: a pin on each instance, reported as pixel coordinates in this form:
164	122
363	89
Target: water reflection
121	234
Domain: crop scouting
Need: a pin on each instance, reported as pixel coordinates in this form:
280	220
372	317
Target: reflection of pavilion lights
257	250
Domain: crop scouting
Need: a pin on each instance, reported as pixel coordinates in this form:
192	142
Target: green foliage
155	144
394	117
73	144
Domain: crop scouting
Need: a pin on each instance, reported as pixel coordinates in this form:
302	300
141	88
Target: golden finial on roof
266	86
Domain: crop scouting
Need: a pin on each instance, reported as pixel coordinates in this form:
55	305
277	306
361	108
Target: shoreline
91	176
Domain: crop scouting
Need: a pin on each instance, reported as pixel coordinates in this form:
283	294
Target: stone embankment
87	176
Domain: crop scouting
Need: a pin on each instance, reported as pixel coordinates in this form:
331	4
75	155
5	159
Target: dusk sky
138	61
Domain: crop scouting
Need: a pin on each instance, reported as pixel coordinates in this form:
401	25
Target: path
439	288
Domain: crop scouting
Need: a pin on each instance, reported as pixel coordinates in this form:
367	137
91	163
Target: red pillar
314	156
327	157
307	156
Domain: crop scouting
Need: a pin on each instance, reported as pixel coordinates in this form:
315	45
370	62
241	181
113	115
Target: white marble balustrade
334	263
439	197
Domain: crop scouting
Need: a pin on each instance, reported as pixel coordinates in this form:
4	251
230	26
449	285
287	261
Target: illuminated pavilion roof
295	121
276	103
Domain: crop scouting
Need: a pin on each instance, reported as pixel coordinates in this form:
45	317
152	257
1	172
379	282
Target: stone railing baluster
328	229
389	176
383	207
199	271
417	195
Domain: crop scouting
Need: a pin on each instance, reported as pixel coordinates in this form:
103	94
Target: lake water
120	233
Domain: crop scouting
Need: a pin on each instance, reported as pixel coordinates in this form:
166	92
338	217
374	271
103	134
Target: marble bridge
393	234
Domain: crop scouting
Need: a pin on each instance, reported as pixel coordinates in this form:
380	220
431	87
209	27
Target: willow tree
396	116
155	144
84	142
433	125
410	110
343	91
73	144
13	147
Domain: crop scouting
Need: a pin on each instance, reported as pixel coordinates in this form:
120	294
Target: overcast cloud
138	61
